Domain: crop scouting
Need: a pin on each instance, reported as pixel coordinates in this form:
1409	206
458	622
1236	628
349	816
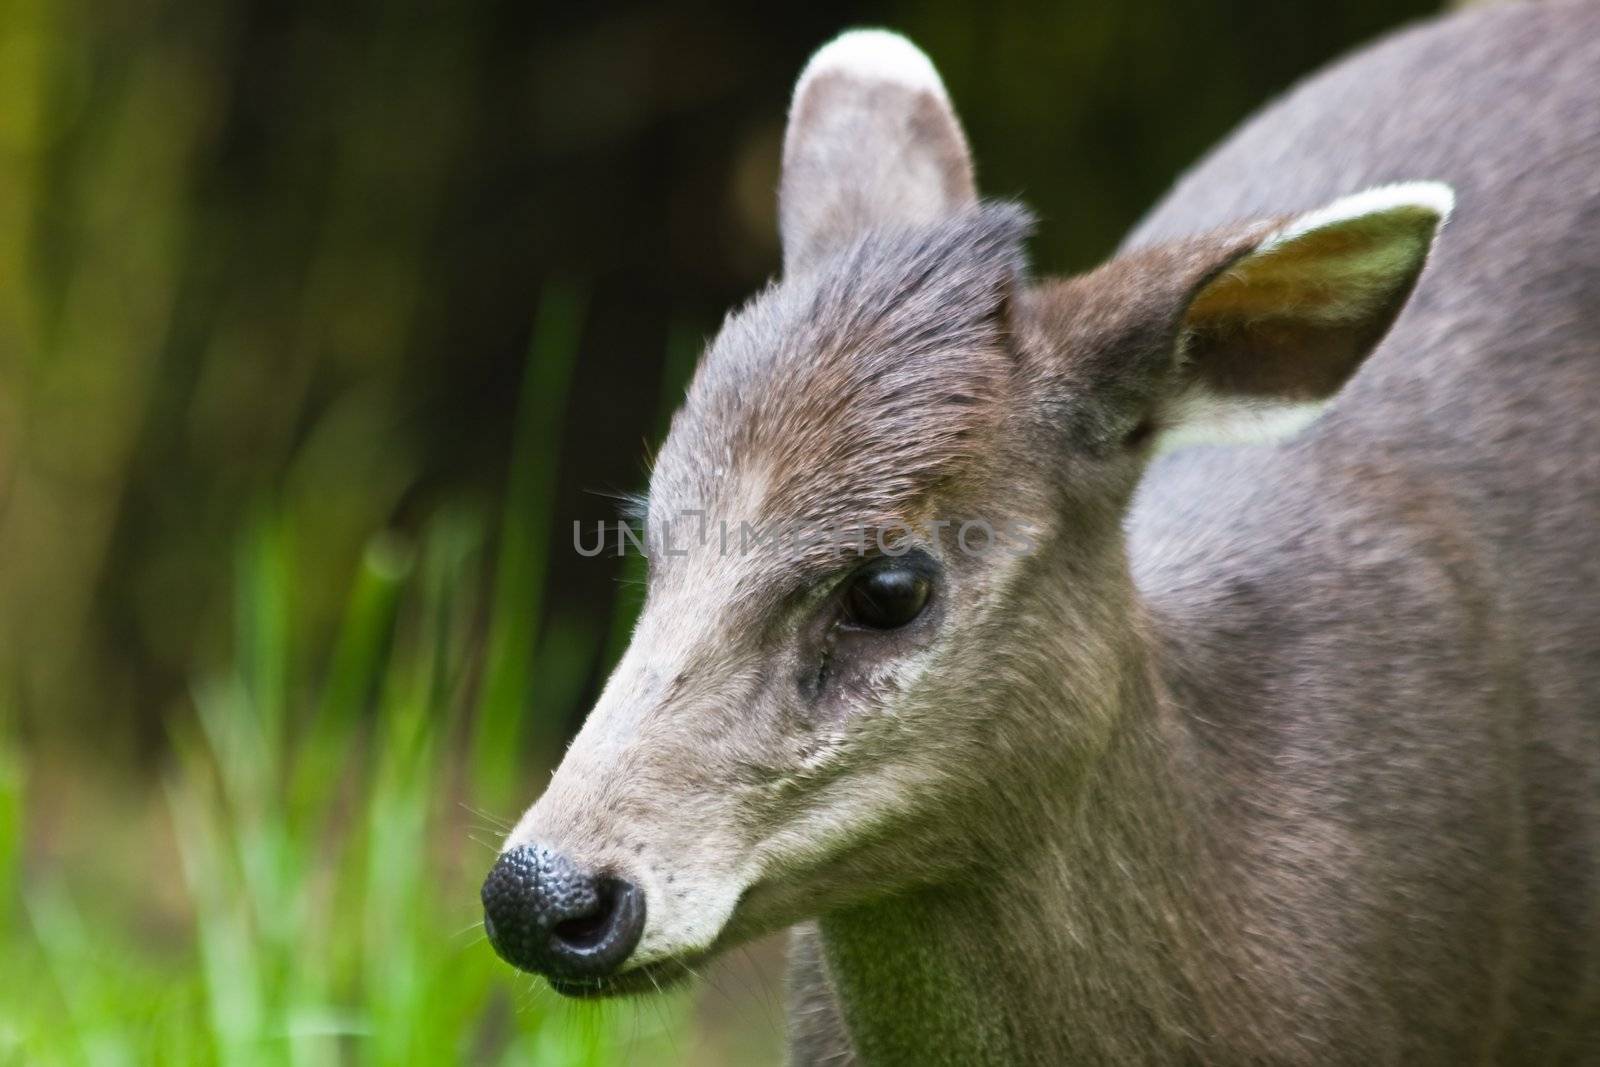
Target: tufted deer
1266	726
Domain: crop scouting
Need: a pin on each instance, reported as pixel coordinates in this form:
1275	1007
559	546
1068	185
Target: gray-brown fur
861	384
1280	754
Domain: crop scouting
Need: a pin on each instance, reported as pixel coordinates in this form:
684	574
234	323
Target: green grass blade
524	535
11	791
262	610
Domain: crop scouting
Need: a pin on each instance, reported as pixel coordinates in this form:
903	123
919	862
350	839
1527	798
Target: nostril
599	941
585	932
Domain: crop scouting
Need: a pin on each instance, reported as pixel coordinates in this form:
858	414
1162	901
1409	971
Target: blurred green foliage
318	329
330	848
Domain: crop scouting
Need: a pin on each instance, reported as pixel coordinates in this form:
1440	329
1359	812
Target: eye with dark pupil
886	598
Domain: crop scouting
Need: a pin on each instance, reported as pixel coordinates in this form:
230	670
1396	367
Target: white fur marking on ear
874	55
1201	418
1436	197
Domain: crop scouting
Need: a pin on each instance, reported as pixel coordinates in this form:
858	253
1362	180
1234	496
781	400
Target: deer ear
1270	337
872	141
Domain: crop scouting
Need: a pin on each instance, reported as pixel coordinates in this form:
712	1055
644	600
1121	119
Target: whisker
769	1004
738	1006
633	1033
494	820
631	506
666	1025
475	839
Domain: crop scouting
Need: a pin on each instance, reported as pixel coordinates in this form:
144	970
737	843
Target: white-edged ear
872	141
1274	333
1423	201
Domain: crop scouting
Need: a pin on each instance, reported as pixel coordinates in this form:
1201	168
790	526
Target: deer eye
886	595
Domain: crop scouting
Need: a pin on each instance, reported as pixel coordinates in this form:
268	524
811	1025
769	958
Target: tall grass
332	824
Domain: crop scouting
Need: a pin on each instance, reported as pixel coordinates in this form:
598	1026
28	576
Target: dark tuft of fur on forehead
849	391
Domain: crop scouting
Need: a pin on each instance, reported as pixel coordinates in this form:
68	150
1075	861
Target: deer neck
1096	937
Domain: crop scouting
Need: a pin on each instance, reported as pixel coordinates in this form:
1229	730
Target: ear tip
1435	196
1433	200
874	55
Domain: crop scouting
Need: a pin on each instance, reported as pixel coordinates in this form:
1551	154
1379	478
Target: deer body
1276	753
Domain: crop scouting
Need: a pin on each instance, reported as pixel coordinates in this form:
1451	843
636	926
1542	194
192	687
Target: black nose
544	914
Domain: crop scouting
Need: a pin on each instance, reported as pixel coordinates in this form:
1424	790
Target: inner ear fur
1236	335
1292	319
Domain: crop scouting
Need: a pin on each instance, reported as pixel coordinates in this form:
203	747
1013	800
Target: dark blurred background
289	250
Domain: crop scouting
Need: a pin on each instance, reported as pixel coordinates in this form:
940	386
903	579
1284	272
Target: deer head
889	614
